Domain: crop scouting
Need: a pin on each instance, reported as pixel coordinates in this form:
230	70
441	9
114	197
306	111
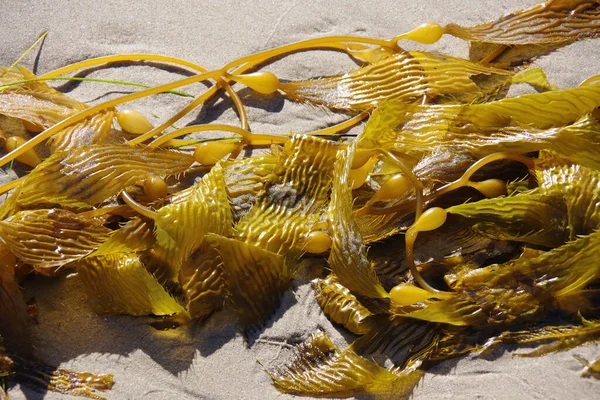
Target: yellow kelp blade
529	218
555	21
120	284
245	179
89	175
553	338
404	76
293	198
52	238
42	106
416	130
348	258
14	321
181	226
202	281
341	306
135	236
256	279
321	369
579	187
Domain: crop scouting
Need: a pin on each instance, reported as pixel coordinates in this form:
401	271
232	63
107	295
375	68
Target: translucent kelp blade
293	198
120	284
552	22
348	257
403	341
580	189
52	238
42	105
560	338
14	321
89	175
256	279
404	76
341	306
135	236
245	179
529	218
415	130
321	369
202	281
181	226
454	311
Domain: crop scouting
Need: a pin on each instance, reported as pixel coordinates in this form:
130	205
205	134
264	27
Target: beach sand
212	360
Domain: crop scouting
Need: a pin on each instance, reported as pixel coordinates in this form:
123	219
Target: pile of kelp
479	212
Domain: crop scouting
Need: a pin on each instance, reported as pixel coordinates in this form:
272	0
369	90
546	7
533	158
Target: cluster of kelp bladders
480	212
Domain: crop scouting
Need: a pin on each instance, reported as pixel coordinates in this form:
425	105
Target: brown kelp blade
256	279
404	76
120	284
52	238
322	369
89	175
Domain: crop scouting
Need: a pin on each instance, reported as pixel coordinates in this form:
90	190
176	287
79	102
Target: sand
213	361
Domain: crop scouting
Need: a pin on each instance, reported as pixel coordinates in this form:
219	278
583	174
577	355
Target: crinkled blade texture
294	196
551	22
120	284
348	257
181	226
90	175
321	369
135	236
486	128
256	279
245	179
529	218
403	341
202	281
405	76
341	306
52	238
40	104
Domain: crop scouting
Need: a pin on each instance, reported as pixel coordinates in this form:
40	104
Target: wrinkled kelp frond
52	238
551	22
321	369
256	279
120	284
341	306
404	76
89	175
348	259
205	210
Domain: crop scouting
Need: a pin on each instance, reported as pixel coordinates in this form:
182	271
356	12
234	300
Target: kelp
405	76
458	219
120	284
321	369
